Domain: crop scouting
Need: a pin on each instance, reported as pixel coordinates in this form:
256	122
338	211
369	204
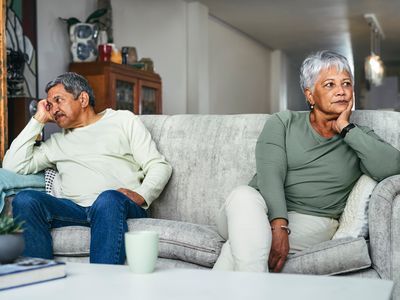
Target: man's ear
84	99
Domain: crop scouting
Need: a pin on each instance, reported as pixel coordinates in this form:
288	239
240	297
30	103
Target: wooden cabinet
122	87
20	111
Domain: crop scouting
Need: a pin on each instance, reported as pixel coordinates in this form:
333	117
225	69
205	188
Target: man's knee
26	200
109	199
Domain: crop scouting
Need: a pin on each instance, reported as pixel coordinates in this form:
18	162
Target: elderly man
109	166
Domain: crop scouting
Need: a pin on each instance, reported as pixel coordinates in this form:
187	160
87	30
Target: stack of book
27	271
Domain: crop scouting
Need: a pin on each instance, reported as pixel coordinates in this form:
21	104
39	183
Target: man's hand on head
135	197
43	114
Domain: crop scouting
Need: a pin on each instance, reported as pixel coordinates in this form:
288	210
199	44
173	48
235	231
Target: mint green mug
141	249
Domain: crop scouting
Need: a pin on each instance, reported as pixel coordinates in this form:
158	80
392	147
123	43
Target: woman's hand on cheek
344	118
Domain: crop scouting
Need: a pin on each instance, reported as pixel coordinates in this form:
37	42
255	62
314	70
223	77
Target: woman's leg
309	230
244	223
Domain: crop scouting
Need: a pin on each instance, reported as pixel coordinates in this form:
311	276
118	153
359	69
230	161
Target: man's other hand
135	197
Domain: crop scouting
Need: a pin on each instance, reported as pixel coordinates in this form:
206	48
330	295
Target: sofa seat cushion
193	243
331	258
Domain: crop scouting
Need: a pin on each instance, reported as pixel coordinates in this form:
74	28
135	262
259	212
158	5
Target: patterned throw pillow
354	220
53	183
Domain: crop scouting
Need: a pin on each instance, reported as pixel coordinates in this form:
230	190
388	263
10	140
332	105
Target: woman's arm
378	158
271	165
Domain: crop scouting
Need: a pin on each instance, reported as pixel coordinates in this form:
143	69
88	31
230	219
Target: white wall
53	39
198	85
231	68
157	29
296	99
239	71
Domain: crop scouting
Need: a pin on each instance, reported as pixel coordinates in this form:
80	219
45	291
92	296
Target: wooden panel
18	116
99	86
103	77
157	90
3	83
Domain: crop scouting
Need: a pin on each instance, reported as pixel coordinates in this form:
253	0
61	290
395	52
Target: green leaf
8	225
70	21
96	15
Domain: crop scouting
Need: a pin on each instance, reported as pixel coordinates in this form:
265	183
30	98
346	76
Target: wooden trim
3	83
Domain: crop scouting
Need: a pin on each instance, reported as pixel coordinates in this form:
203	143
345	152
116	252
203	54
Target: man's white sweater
116	151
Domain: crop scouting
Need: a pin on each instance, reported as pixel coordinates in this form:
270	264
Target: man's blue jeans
106	219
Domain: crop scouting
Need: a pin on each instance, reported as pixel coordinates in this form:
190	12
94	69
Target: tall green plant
8	225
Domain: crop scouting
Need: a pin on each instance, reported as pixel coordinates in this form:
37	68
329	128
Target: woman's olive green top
299	170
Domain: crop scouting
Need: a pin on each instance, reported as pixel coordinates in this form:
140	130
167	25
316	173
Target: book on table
26	271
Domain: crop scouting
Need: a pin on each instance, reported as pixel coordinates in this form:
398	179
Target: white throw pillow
53	183
354	220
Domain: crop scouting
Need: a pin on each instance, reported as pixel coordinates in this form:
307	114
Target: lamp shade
374	69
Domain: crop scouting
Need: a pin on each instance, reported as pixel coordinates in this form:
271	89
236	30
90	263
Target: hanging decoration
374	68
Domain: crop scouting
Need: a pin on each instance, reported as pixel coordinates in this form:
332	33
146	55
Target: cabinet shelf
122	87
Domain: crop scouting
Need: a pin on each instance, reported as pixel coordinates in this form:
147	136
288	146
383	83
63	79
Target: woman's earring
311	105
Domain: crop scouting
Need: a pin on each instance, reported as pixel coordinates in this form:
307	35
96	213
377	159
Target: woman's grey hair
315	62
74	84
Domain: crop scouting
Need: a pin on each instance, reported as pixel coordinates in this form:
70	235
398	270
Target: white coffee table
86	281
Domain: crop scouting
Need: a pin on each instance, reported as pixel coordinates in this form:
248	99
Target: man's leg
108	216
243	221
40	212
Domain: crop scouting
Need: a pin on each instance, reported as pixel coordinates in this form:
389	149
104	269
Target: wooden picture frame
3	83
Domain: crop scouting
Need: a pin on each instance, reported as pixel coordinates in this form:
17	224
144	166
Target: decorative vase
11	246
83	38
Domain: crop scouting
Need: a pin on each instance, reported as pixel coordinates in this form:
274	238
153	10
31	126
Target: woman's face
332	93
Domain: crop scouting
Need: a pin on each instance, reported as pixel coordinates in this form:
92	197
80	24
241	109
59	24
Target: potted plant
84	36
11	239
93	18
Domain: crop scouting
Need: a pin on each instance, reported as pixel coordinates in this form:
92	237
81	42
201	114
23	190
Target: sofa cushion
193	243
354	220
330	258
53	183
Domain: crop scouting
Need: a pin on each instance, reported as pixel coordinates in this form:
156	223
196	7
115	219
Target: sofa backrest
212	154
386	124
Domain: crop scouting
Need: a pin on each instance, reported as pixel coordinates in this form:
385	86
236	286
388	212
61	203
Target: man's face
65	110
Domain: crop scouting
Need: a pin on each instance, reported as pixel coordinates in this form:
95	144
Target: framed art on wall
22	83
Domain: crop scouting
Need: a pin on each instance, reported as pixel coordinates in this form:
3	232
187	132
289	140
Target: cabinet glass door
148	104
124	95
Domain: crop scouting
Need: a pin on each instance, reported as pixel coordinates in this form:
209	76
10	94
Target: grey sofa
210	155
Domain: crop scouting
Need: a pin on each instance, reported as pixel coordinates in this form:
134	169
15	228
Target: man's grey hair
315	62
74	84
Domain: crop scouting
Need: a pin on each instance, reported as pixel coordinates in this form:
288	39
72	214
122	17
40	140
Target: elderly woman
307	164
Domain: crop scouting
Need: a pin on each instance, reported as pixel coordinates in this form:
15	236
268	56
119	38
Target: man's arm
156	169
23	157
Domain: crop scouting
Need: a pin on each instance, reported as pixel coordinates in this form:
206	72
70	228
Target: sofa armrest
384	229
